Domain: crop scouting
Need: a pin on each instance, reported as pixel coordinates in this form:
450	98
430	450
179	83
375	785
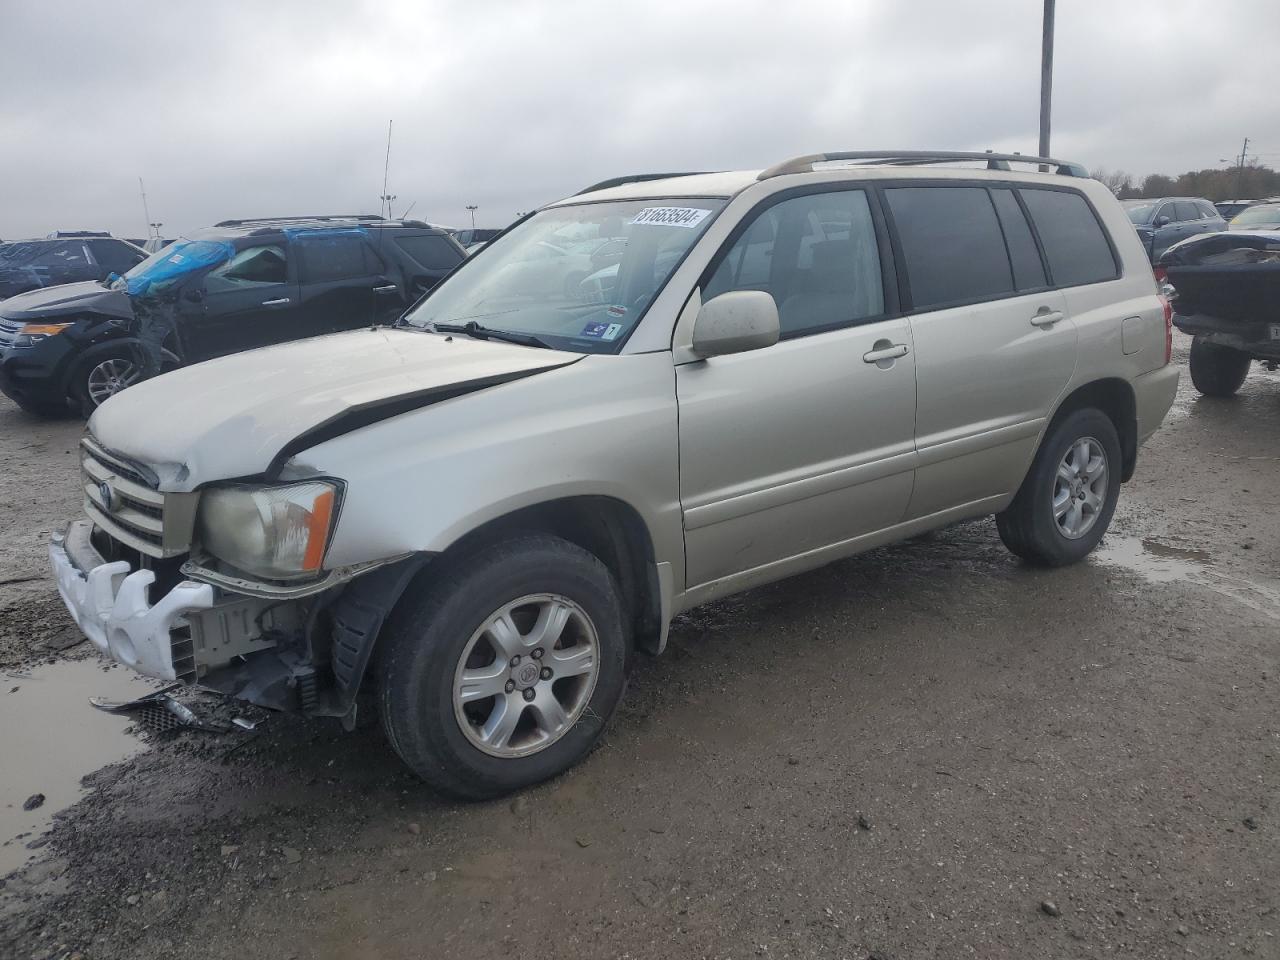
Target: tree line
1250	182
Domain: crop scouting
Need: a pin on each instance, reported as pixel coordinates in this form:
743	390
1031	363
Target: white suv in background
477	514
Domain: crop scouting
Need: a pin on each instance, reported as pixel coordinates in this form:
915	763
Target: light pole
1046	77
156	227
473	208
386	198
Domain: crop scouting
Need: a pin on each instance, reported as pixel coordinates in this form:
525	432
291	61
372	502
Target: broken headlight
277	532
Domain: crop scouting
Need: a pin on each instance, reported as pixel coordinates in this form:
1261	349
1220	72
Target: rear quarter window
1074	242
952	245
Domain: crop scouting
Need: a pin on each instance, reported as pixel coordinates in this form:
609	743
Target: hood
245	414
88	296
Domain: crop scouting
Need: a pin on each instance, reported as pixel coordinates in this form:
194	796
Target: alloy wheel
1080	488
110	377
526	675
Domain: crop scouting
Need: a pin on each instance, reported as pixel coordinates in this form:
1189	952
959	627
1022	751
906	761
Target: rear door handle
1047	318
275	303
892	352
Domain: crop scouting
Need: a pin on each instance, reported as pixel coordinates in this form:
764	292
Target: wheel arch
608	528
1114	396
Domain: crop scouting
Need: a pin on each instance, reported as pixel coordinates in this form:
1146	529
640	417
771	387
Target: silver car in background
476	516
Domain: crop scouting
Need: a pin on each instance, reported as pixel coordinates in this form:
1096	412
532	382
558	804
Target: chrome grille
121	499
8	332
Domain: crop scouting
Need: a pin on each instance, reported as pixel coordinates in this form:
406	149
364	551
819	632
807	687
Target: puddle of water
50	737
1155	561
1159	562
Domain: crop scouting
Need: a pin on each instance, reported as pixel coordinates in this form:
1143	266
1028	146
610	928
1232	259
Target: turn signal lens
29	334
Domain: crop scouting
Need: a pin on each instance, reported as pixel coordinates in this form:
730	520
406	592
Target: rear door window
329	257
1073	240
952	246
1028	270
430	252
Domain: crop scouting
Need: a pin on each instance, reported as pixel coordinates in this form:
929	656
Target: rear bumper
110	605
1153	395
1253	338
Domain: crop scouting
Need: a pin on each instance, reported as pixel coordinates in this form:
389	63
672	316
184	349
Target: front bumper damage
306	655
110	605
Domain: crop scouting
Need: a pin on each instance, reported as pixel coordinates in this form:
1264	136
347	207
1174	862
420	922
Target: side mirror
1162	221
735	322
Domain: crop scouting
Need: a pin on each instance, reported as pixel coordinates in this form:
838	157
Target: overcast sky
231	109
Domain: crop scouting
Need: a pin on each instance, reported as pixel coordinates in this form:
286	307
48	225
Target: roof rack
907	158
323	217
637	178
72	234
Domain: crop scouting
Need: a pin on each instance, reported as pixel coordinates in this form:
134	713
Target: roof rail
994	161
320	216
72	234
636	178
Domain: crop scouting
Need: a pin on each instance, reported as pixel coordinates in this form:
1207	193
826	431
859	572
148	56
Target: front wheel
102	377
505	669
1066	502
1217	371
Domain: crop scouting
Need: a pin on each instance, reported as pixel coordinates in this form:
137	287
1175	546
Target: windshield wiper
475	330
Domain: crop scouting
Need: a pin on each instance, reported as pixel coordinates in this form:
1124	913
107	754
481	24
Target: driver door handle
1047	318
387	288
275	303
892	352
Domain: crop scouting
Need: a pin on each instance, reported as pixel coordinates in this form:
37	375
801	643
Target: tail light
1168	327
1162	276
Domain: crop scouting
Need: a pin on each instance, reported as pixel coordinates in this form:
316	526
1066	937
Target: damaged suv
234	286
476	516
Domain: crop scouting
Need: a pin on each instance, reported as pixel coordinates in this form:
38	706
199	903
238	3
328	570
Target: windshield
577	277
166	267
1139	211
1256	216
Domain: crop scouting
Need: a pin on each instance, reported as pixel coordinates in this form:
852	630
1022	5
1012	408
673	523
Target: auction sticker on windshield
602	331
671	216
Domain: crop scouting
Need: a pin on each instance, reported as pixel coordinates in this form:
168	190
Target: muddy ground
899	756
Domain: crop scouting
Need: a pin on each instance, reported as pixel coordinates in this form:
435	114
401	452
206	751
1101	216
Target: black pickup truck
1228	298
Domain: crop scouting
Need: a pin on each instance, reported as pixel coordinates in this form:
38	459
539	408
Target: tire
1217	371
1031	527
86	382
434	635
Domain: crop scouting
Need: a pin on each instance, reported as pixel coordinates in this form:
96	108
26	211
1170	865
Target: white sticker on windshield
671	216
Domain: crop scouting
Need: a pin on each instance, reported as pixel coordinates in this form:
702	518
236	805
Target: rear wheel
1067	500
1217	371
504	671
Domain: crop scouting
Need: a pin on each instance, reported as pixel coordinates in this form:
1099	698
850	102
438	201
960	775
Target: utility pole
1244	153
1046	78
473	208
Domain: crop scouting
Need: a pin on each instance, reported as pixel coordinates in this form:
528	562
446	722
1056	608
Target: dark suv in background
63	257
238	285
1163	222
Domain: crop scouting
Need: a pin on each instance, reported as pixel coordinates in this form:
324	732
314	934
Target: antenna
386	198
145	212
410	207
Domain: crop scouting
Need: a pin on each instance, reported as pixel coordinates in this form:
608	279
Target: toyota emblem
108	495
